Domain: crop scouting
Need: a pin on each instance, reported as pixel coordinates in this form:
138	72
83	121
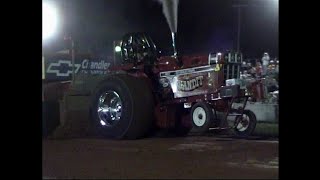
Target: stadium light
49	20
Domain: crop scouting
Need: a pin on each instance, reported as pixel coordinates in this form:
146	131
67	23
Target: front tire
244	127
201	117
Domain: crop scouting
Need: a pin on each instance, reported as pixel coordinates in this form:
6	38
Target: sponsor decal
63	68
55	68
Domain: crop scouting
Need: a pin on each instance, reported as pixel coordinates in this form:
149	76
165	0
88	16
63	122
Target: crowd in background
264	71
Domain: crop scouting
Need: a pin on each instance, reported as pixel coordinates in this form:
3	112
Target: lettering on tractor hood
189	85
189	82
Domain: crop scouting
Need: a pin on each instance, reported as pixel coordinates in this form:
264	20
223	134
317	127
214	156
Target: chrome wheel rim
243	124
109	108
199	116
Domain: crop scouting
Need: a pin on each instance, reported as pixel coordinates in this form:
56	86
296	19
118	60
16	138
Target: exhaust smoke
170	11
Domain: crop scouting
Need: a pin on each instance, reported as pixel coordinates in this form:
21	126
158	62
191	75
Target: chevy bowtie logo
62	68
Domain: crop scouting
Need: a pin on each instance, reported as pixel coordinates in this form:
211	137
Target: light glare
117	48
49	20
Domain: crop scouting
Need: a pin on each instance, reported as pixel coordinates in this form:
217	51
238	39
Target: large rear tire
122	107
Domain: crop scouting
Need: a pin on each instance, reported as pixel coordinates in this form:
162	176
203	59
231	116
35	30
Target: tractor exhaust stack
173	35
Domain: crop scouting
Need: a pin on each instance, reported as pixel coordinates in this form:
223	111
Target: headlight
164	82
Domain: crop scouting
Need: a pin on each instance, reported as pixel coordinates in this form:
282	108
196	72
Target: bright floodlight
49	20
117	49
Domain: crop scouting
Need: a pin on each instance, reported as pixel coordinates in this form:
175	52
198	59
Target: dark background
203	25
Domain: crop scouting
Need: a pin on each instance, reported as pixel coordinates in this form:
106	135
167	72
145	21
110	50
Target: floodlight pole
72	60
114	53
239	24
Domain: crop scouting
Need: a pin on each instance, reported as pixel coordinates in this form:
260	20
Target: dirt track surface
175	158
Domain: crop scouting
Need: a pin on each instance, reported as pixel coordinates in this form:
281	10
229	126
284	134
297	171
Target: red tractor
146	91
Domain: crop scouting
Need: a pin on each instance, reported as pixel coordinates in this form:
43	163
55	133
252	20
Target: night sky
203	25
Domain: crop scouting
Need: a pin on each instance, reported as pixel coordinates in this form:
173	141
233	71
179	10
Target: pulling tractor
148	92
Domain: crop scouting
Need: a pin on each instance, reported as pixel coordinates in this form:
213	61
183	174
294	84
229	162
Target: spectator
265	63
258	69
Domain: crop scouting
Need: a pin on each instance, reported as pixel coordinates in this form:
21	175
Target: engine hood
169	63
